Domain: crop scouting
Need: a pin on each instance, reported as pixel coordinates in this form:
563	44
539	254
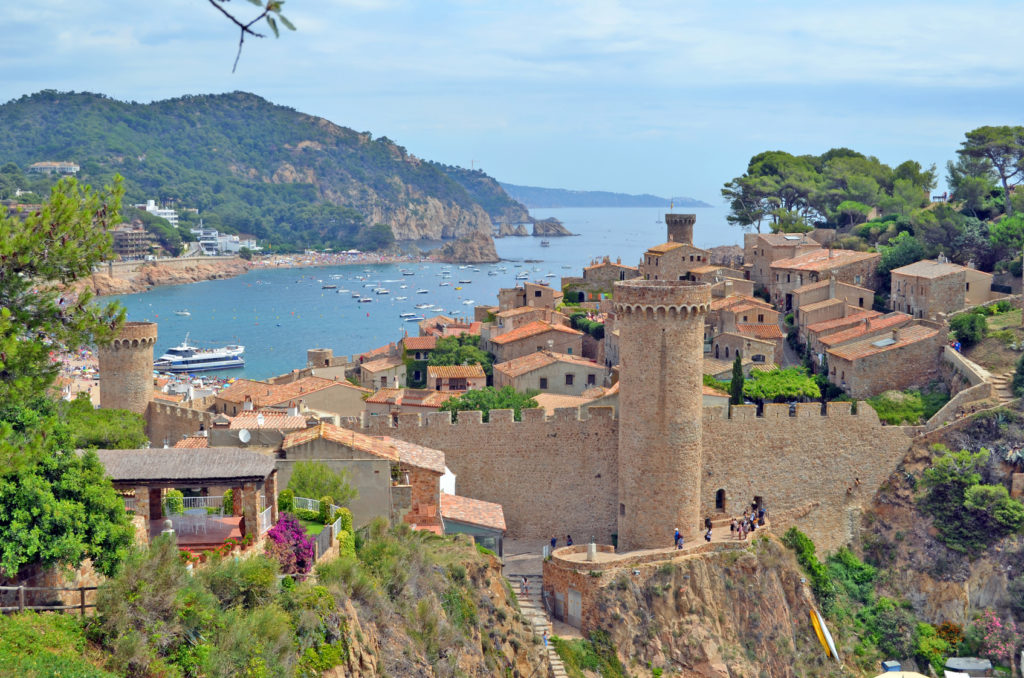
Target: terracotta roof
609	263
665	247
385	447
410	397
820	261
387	349
192	443
867	347
437	320
733	299
929	268
386	396
428	343
519	311
190	466
760	330
747	306
382	364
474	371
777	239
840	322
472	512
706	269
273	419
825	303
168	397
534	361
873	325
714	366
532	329
264	394
549	402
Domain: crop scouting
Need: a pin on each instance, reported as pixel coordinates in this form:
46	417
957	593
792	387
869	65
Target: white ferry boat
186	358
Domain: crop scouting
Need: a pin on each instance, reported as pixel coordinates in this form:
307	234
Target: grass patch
1004	321
908	407
47	645
994	352
595	654
313	528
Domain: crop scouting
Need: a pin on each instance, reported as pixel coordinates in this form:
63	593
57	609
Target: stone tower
126	368
661	335
680	227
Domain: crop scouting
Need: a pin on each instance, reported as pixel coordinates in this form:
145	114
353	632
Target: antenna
244	435
260	419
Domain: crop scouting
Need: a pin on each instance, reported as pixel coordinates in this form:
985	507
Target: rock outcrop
506	230
144	276
550	227
476	249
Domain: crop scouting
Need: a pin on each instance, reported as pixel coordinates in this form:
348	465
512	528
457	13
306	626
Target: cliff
550	227
476	249
507	229
128	279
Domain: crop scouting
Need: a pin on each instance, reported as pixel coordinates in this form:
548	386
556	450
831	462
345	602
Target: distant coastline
535	196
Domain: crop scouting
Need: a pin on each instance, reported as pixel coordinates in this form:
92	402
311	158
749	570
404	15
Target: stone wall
816	472
963	402
912	365
168	423
552	476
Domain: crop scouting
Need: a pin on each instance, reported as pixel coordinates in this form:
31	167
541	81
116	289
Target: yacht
328	287
188	358
445	284
407	315
183	311
465	282
424	306
414	319
523	276
356	295
381	290
365	300
424	291
545	243
401	298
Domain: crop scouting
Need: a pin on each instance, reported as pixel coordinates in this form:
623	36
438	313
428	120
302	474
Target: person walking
544	636
568	540
707	536
732	529
554	542
678	540
707	523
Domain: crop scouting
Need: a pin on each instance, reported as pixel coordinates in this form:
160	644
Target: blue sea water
278	314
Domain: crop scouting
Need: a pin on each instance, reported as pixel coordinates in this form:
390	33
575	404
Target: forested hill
534	196
254	167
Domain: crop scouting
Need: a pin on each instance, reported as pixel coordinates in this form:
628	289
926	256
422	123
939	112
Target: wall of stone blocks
170	423
552	476
903	367
816	472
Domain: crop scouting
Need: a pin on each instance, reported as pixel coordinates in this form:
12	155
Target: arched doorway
720	500
582	297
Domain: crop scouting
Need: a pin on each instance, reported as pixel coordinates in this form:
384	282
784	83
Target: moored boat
188	358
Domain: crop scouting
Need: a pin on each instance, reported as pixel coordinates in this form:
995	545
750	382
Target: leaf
258	3
273	26
288	24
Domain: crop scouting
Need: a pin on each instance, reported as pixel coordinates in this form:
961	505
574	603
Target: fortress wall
170	422
552	476
802	466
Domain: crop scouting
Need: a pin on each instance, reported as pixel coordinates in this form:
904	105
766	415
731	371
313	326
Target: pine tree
736	386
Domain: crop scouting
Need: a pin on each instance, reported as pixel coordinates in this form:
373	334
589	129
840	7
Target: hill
250	166
534	196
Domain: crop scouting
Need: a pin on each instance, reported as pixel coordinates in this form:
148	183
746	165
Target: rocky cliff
126	281
476	249
550	227
732	614
507	229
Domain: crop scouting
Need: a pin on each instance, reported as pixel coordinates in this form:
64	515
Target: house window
691	257
760	317
234	410
543	382
536	293
569	350
568	380
856	280
417	375
682	277
744	318
726	351
758	358
591	379
787	277
456	384
860	302
622	275
383	382
968	287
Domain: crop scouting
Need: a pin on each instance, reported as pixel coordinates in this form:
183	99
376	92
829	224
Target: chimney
830	250
247	405
832	287
293	409
867	323
896	334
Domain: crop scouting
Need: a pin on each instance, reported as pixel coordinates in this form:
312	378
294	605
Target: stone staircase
1001	387
532	608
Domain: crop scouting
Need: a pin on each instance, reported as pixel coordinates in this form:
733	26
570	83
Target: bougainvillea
998	637
288	543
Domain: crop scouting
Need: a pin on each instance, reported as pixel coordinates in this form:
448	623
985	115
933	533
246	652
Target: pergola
148	472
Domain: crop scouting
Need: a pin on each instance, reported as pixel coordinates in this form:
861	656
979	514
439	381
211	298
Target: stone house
263	428
867	328
597	280
513	319
382	373
906	357
419	348
483	520
761	250
758	350
456	377
711	273
788	275
530	294
672	261
389	401
730	286
812	333
316	393
534	336
444	326
550	372
930	288
851	295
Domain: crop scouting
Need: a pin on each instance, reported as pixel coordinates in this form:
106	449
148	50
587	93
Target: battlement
473	419
135	334
662	297
680	227
772	411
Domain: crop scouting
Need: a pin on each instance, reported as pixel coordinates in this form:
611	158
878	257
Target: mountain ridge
536	196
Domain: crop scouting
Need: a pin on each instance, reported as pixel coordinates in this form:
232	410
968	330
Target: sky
663	97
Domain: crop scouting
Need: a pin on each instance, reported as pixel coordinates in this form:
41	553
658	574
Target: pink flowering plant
288	543
997	638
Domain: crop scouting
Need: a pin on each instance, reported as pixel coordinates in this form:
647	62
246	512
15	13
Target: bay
277	314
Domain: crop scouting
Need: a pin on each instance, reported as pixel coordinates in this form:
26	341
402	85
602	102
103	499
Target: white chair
199	523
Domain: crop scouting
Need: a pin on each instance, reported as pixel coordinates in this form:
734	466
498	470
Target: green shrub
306	514
174	501
324	514
286	501
931	648
32	644
460	609
856	577
595	654
346	518
1018	378
248	583
346	543
969	328
908	407
821	583
890	627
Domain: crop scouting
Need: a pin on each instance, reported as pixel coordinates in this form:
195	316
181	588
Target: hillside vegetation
250	166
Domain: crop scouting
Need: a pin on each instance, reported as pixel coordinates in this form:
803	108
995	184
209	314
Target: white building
150	206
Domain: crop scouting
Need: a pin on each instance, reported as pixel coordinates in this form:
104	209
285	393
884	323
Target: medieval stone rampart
126	366
169	422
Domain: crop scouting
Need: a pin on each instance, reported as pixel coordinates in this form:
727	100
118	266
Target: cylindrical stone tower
680	227
661	335
126	368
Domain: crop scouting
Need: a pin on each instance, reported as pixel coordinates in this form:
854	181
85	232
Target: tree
245	253
271	13
314	479
1003	147
461	350
1007	234
103	429
736	385
969	328
902	250
781	386
489	398
853	212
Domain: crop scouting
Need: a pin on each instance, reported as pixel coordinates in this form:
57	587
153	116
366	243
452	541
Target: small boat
356	295
415	319
424	291
406	272
492	273
365	300
465	282
403	286
550	275
183	311
407	315
381	290
424	306
545	243
469	302
522	276
458	287
446	284
342	291
328	287
401	298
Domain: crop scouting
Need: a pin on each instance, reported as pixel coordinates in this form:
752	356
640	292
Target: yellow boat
817	632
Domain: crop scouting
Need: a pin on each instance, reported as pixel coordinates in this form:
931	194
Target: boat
492	273
522	276
365	300
328	287
403	287
188	358
446	284
407	272
424	306
458	287
424	291
545	243
469	302
415	319
401	298
381	290
183	311
550	275
356	295
407	315
465	282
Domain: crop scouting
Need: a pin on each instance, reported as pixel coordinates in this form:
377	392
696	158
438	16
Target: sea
277	314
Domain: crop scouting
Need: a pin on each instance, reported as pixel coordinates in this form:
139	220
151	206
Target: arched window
726	351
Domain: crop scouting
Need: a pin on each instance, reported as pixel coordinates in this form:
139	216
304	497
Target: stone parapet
662	297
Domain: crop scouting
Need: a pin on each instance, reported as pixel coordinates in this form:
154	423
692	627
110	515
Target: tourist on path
678	539
707	536
554	542
568	540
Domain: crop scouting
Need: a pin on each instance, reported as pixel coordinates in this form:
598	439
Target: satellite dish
244	435
260	419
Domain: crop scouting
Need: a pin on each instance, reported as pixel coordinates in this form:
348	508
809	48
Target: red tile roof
385	447
734	299
383	364
821	261
475	371
776	239
761	331
265	395
929	268
472	512
665	247
873	325
271	419
192	443
868	347
428	343
533	329
410	397
842	322
387	349
533	361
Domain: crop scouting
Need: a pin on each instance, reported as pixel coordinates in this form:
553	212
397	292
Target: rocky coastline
147	275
